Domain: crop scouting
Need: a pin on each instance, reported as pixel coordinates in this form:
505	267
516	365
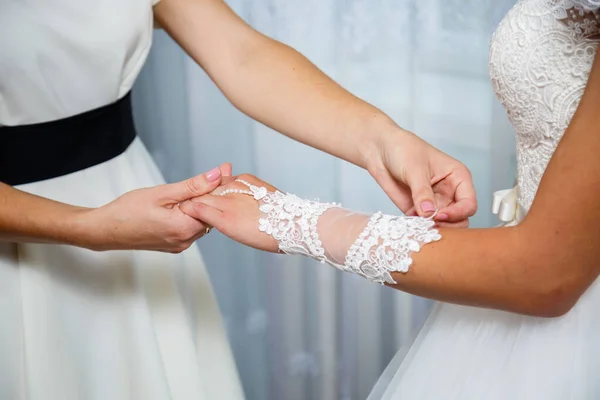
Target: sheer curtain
301	330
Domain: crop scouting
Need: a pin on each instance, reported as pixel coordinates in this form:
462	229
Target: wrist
372	148
85	229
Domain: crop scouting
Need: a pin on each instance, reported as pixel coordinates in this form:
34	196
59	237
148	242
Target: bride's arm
543	265
546	263
540	267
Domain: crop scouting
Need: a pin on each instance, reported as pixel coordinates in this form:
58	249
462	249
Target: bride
518	314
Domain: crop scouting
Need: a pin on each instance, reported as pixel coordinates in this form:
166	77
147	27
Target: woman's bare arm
25	217
146	219
278	86
271	82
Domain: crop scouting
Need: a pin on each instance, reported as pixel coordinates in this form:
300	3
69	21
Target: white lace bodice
540	59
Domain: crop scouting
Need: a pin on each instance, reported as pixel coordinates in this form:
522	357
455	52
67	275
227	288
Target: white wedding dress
540	59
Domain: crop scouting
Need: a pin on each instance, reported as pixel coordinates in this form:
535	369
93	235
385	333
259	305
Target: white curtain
302	330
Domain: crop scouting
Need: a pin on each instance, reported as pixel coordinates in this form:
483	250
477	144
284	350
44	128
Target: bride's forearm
525	269
520	269
539	267
528	269
503	268
492	268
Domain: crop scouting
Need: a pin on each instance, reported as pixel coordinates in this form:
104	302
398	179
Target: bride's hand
235	215
415	174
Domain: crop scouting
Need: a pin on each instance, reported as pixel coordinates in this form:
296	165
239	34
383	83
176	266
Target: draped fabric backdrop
302	330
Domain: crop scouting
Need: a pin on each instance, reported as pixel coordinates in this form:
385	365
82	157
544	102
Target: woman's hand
419	178
150	218
235	215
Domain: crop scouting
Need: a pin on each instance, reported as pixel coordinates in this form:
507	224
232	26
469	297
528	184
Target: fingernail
441	217
427	206
213	174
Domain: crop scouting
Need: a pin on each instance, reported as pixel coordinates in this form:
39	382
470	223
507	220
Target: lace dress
540	59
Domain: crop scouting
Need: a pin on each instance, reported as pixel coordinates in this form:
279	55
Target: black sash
31	153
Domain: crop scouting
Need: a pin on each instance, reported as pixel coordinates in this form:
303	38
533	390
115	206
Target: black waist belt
31	153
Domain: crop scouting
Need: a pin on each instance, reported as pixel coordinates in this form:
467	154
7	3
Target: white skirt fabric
470	353
78	324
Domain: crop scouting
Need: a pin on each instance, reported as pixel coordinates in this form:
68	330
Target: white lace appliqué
384	245
292	221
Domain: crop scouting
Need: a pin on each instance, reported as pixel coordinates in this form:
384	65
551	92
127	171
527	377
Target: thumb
422	193
197	186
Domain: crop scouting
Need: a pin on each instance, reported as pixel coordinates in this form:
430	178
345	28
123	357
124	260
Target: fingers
422	192
200	230
221	203
411	212
465	204
193	187
198	237
206	213
441	220
463	209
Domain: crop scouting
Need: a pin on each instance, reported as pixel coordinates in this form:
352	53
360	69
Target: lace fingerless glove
372	246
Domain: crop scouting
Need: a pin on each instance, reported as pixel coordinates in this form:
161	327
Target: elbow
550	283
551	301
551	307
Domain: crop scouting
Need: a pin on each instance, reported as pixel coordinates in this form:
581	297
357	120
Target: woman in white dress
520	315
76	323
